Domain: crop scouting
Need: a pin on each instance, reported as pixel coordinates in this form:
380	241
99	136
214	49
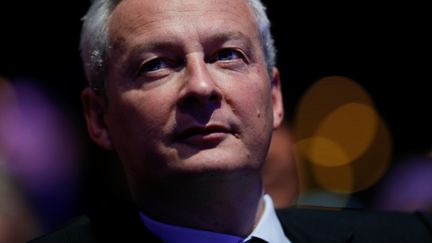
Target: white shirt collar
268	229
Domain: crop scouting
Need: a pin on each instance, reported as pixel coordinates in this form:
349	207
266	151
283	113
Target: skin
279	171
189	108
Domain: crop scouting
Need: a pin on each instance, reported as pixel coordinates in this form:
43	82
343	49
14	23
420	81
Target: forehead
150	17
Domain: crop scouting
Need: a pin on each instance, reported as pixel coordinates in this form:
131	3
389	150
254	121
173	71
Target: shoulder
77	230
357	225
113	226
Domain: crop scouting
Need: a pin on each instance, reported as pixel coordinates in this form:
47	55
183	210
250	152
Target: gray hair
94	43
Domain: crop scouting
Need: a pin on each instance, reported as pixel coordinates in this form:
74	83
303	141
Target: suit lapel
426	218
121	224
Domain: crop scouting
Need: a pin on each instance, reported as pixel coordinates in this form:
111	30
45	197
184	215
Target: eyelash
239	55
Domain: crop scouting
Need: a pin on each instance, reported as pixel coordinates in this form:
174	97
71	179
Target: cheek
257	118
251	100
141	116
137	127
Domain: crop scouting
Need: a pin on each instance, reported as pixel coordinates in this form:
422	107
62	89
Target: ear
278	109
94	111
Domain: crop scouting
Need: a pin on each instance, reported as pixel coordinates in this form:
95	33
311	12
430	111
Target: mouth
202	134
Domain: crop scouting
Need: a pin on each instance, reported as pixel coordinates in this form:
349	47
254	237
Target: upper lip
201	130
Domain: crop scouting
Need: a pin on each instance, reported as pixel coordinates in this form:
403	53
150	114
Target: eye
157	67
228	55
153	65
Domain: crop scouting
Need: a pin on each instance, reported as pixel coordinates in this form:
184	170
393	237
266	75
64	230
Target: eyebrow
155	46
228	36
175	45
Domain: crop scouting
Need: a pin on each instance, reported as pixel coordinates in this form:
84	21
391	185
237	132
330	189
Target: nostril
214	97
190	100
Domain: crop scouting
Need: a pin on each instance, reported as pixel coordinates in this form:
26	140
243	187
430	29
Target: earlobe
278	109
94	111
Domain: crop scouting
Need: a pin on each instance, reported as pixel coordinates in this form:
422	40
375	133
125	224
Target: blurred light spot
360	173
39	148
343	144
408	186
321	150
323	98
336	179
350	128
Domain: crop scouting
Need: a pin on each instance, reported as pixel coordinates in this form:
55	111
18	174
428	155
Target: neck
230	204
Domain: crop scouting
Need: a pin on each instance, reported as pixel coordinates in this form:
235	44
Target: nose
200	88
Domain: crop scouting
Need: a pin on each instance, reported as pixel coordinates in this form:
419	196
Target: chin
217	161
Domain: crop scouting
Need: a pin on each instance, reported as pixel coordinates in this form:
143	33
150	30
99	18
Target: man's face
187	88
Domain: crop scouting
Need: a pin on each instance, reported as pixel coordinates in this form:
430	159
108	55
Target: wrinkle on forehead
132	15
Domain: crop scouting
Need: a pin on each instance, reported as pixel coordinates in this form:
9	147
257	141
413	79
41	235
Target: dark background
385	48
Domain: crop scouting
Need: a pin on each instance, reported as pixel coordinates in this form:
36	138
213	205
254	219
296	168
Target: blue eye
228	54
153	65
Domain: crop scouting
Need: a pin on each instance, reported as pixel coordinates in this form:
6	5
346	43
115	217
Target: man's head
95	43
186	86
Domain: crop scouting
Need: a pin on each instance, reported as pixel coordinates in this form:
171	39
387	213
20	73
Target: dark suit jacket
300	225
